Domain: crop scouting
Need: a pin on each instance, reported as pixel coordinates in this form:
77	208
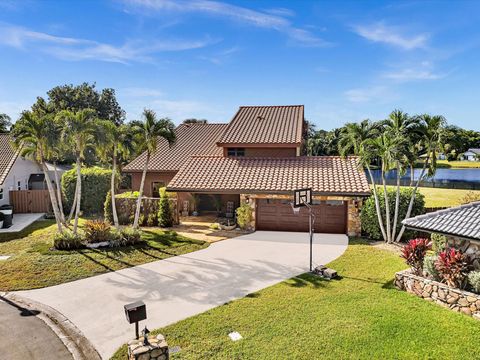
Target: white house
18	173
471	154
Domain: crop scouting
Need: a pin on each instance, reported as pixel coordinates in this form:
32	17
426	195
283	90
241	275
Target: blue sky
345	61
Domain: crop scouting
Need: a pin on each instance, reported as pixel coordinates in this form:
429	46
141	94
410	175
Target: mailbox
135	312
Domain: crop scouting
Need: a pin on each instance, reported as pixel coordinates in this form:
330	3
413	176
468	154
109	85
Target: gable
8	155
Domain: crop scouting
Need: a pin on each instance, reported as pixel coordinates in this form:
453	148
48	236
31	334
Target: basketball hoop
296	210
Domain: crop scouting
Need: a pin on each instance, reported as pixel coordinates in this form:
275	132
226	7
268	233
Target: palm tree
431	130
397	126
114	141
354	139
32	136
151	130
79	128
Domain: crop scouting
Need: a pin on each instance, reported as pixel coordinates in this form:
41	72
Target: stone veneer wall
469	247
156	350
452	298
354	204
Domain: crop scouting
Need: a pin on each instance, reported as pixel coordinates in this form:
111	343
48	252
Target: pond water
443	178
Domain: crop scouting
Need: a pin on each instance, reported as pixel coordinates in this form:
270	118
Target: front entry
277	215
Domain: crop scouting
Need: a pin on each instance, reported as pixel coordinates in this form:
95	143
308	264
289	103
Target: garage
277	215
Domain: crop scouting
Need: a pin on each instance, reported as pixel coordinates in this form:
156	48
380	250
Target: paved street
182	286
24	336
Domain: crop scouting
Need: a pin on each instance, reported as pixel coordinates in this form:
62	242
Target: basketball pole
310	223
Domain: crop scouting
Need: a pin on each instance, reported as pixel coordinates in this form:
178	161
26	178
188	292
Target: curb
74	340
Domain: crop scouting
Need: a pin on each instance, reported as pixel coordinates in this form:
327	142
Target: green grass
360	316
34	264
458	164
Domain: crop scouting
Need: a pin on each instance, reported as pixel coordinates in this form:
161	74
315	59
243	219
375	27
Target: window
156	186
1	193
19	185
236	151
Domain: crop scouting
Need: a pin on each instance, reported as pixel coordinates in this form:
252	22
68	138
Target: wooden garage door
274	214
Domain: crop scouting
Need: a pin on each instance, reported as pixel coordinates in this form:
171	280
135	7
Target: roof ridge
243	106
443	211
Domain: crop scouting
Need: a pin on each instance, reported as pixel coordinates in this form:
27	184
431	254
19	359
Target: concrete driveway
182	286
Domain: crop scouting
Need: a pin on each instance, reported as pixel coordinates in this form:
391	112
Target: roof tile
8	155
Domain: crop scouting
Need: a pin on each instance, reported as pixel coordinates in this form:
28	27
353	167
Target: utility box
325	272
135	312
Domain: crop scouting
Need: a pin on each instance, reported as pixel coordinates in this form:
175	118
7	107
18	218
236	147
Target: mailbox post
135	312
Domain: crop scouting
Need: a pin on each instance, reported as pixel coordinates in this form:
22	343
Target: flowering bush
414	253
97	231
453	266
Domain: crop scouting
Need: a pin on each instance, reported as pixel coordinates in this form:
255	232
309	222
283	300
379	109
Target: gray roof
462	221
474	150
8	155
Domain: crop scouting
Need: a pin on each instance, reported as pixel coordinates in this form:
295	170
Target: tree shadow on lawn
168	238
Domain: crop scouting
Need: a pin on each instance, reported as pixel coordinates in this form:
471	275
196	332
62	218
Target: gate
30	201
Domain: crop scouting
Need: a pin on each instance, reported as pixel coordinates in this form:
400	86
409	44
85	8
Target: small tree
244	216
165	210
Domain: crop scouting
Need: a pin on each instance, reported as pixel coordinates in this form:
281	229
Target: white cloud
379	32
413	74
362	95
68	48
276	19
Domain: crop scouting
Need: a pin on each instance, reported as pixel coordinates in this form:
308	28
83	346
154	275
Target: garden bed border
452	298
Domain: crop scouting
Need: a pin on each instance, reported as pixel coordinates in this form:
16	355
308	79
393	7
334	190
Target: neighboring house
461	226
471	155
18	173
256	159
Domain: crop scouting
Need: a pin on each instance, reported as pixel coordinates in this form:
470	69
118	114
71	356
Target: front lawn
33	264
361	316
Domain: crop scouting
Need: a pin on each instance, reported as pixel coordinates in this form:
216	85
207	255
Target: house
18	173
257	159
461	226
471	154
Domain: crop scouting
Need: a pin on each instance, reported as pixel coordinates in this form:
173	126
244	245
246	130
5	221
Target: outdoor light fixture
134	313
247	199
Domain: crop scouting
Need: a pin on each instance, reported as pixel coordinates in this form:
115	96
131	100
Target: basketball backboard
302	197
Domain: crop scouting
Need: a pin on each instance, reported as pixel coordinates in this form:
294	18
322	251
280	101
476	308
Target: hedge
368	215
95	186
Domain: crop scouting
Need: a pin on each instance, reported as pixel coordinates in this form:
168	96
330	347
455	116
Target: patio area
21	221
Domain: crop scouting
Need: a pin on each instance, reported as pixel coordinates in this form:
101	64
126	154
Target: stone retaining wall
157	349
452	298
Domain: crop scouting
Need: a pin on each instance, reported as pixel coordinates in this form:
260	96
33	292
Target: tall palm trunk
79	193
140	192
412	198
74	205
377	204
397	204
53	198
112	189
59	193
387	206
412	173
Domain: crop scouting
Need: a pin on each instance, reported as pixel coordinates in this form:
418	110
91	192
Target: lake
443	178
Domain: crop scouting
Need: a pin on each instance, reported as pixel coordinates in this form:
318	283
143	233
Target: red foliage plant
414	253
453	266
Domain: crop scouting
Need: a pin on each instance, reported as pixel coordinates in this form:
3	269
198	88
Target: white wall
20	172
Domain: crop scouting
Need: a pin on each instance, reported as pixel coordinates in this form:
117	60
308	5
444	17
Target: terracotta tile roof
324	174
265	125
8	155
192	139
462	221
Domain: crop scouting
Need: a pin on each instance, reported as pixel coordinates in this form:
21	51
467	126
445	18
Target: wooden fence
30	201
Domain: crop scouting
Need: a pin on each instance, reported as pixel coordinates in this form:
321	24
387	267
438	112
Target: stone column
354	223
156	350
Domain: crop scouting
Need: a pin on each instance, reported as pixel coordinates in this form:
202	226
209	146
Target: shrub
95	185
453	266
429	267
438	242
97	231
474	280
244	216
107	208
414	253
128	195
369	218
214	226
125	237
165	210
67	240
471	196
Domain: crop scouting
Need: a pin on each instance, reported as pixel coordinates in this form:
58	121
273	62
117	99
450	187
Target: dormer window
235	152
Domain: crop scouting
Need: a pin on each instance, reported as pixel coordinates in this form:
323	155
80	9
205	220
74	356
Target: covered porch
216	205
